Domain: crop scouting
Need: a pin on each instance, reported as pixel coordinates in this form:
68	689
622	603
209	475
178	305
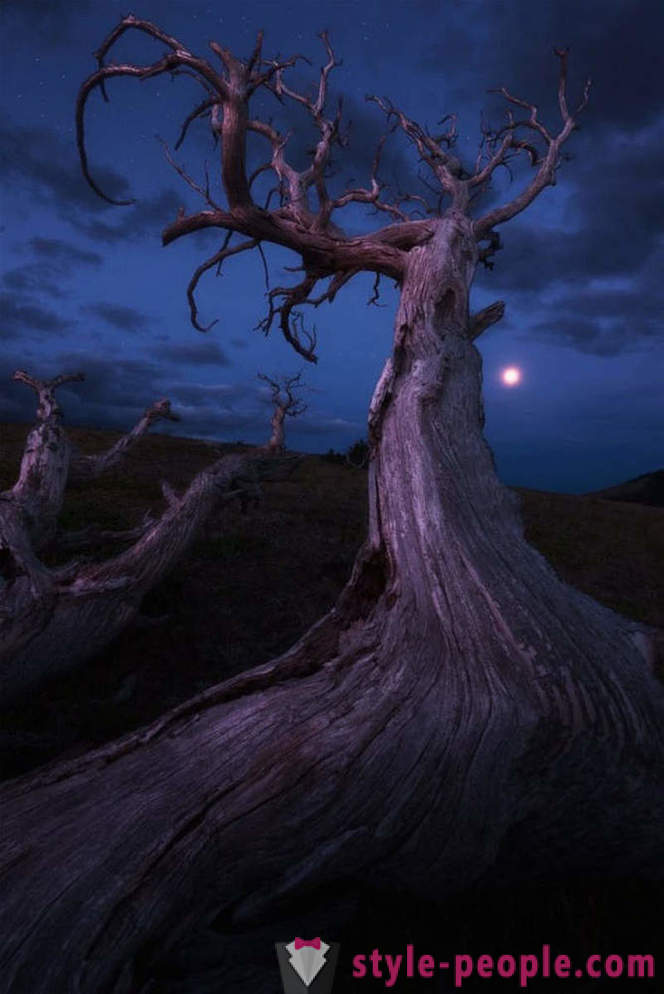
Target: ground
257	580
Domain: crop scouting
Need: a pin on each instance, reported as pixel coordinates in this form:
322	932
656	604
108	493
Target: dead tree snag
459	712
285	403
51	619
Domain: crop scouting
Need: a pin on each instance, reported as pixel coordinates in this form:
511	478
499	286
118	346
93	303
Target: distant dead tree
285	403
51	619
460	715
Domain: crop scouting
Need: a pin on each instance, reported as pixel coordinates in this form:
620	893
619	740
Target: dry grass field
252	584
255	581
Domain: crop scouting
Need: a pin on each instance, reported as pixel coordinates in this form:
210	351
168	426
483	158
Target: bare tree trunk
460	712
53	619
81	608
277	442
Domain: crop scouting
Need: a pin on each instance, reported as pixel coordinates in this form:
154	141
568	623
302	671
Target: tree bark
460	713
277	440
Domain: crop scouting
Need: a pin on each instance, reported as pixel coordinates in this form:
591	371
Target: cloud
205	353
604	320
224	395
55	261
114	392
118	315
54	177
65	254
478	46
595	337
595	274
19	315
113	395
312	425
50	19
146	218
32	278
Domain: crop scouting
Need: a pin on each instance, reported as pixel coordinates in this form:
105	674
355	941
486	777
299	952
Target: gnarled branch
485	318
284	393
510	138
296	223
51	619
445	167
84	468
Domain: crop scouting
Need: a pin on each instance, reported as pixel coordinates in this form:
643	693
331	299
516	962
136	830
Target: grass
249	588
254	582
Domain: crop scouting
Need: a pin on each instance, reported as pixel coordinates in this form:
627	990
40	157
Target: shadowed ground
260	579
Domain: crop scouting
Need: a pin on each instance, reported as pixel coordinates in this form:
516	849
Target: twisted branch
325	250
509	139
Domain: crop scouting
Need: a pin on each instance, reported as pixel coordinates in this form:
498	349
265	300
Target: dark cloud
39	159
604	320
56	261
205	353
146	218
114	392
221	395
20	315
64	253
644	310
32	278
479	46
50	19
594	337
56	179
118	315
113	395
599	265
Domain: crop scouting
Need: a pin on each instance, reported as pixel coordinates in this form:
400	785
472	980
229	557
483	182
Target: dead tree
52	619
285	403
460	712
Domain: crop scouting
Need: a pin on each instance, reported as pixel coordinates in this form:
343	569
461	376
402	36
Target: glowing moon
511	376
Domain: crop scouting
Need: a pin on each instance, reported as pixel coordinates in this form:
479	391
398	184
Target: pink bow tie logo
314	943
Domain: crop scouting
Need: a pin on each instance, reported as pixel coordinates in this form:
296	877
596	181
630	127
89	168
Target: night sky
86	286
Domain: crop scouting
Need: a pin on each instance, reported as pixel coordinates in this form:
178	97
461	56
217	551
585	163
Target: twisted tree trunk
460	712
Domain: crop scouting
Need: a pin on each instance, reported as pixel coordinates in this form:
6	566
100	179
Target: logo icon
307	965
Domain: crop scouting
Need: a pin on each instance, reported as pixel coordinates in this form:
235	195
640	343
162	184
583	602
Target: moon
511	376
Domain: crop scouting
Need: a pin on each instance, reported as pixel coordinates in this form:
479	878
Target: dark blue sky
88	287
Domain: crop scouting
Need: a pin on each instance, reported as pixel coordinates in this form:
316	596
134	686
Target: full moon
511	376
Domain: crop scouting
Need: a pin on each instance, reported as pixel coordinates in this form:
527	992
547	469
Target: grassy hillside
256	581
646	489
